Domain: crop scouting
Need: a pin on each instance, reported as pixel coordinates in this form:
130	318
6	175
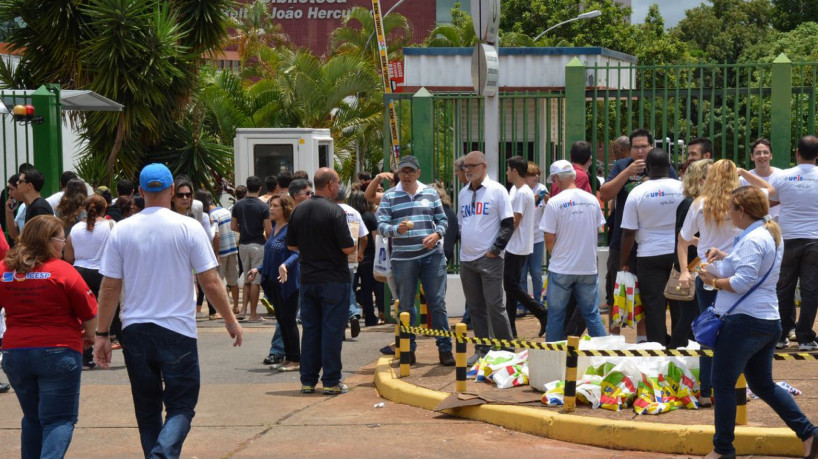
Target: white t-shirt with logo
574	216
479	216
522	202
720	236
797	191
774	211
156	253
651	210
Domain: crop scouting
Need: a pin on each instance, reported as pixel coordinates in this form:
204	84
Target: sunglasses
184	195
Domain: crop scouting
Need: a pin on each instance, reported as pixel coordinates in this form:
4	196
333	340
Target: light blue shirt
20	218
753	253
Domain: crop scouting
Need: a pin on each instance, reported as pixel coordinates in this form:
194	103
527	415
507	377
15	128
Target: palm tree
357	36
460	33
142	54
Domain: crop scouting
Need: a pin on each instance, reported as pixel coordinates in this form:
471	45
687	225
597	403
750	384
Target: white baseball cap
558	167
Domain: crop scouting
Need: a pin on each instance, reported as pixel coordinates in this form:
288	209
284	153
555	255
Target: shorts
229	269
252	255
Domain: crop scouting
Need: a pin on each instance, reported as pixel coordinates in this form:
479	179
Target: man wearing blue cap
154	253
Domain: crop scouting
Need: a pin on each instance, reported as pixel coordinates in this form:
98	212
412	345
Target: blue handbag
706	327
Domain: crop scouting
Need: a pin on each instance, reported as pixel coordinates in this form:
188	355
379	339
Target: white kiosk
268	151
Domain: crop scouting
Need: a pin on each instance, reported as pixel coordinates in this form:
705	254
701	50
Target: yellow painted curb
606	433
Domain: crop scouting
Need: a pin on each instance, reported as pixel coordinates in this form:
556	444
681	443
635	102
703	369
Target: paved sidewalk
247	411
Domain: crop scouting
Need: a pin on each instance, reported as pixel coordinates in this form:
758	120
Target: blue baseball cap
155	177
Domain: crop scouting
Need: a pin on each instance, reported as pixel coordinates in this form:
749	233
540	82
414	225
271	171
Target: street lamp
588	15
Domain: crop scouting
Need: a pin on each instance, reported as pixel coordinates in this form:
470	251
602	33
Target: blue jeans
533	267
705	298
47	384
324	315
154	355
586	291
746	344
431	270
354	309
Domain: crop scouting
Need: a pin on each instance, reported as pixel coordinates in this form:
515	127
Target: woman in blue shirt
279	279
747	341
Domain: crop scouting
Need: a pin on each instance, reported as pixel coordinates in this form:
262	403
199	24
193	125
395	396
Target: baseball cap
558	167
155	177
408	161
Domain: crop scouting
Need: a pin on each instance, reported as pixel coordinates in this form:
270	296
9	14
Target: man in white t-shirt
154	252
355	222
486	224
796	189
761	155
520	245
571	222
649	218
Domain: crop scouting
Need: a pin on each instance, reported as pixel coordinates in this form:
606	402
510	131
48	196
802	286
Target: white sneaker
782	344
806	347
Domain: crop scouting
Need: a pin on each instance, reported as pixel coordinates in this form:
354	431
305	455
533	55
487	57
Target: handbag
706	327
382	268
674	289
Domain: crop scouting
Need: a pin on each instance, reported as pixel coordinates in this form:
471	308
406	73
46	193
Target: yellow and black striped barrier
741	401
460	359
405	352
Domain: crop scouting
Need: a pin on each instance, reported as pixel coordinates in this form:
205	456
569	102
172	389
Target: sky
672	10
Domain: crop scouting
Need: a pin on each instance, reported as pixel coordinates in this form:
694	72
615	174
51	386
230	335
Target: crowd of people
305	251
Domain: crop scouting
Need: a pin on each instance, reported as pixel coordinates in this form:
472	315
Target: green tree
458	33
788	14
254	32
799	44
721	31
357	36
654	46
143	54
531	17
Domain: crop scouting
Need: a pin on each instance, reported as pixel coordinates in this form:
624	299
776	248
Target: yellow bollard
570	389
397	341
741	401
460	358
404	346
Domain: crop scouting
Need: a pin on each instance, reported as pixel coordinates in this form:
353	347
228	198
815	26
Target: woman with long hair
279	280
746	278
84	246
71	208
708	216
43	343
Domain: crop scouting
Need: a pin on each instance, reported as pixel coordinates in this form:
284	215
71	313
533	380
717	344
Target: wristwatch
713	283
102	334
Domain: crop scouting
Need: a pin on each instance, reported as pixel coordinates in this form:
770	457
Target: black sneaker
355	326
273	359
446	359
784	342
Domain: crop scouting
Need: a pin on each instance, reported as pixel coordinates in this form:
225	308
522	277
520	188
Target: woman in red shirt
50	317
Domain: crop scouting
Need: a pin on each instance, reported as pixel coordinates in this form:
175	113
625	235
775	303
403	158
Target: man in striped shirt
412	215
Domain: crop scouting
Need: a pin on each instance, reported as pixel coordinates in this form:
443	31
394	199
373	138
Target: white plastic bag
382	267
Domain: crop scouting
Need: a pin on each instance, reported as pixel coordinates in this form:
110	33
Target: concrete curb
605	433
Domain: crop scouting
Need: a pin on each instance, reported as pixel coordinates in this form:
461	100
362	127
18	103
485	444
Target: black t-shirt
319	229
452	233
371	223
251	213
38	207
114	212
622	196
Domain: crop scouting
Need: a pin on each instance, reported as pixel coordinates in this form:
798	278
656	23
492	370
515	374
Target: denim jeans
155	355
800	261
47	384
586	290
431	270
324	315
705	298
354	309
746	344
533	267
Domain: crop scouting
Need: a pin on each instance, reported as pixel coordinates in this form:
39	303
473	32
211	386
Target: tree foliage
788	14
721	31
143	54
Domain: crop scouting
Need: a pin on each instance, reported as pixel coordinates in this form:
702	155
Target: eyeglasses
470	166
184	195
59	240
640	147
308	193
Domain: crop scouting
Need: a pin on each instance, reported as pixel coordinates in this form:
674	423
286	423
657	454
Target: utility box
268	151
